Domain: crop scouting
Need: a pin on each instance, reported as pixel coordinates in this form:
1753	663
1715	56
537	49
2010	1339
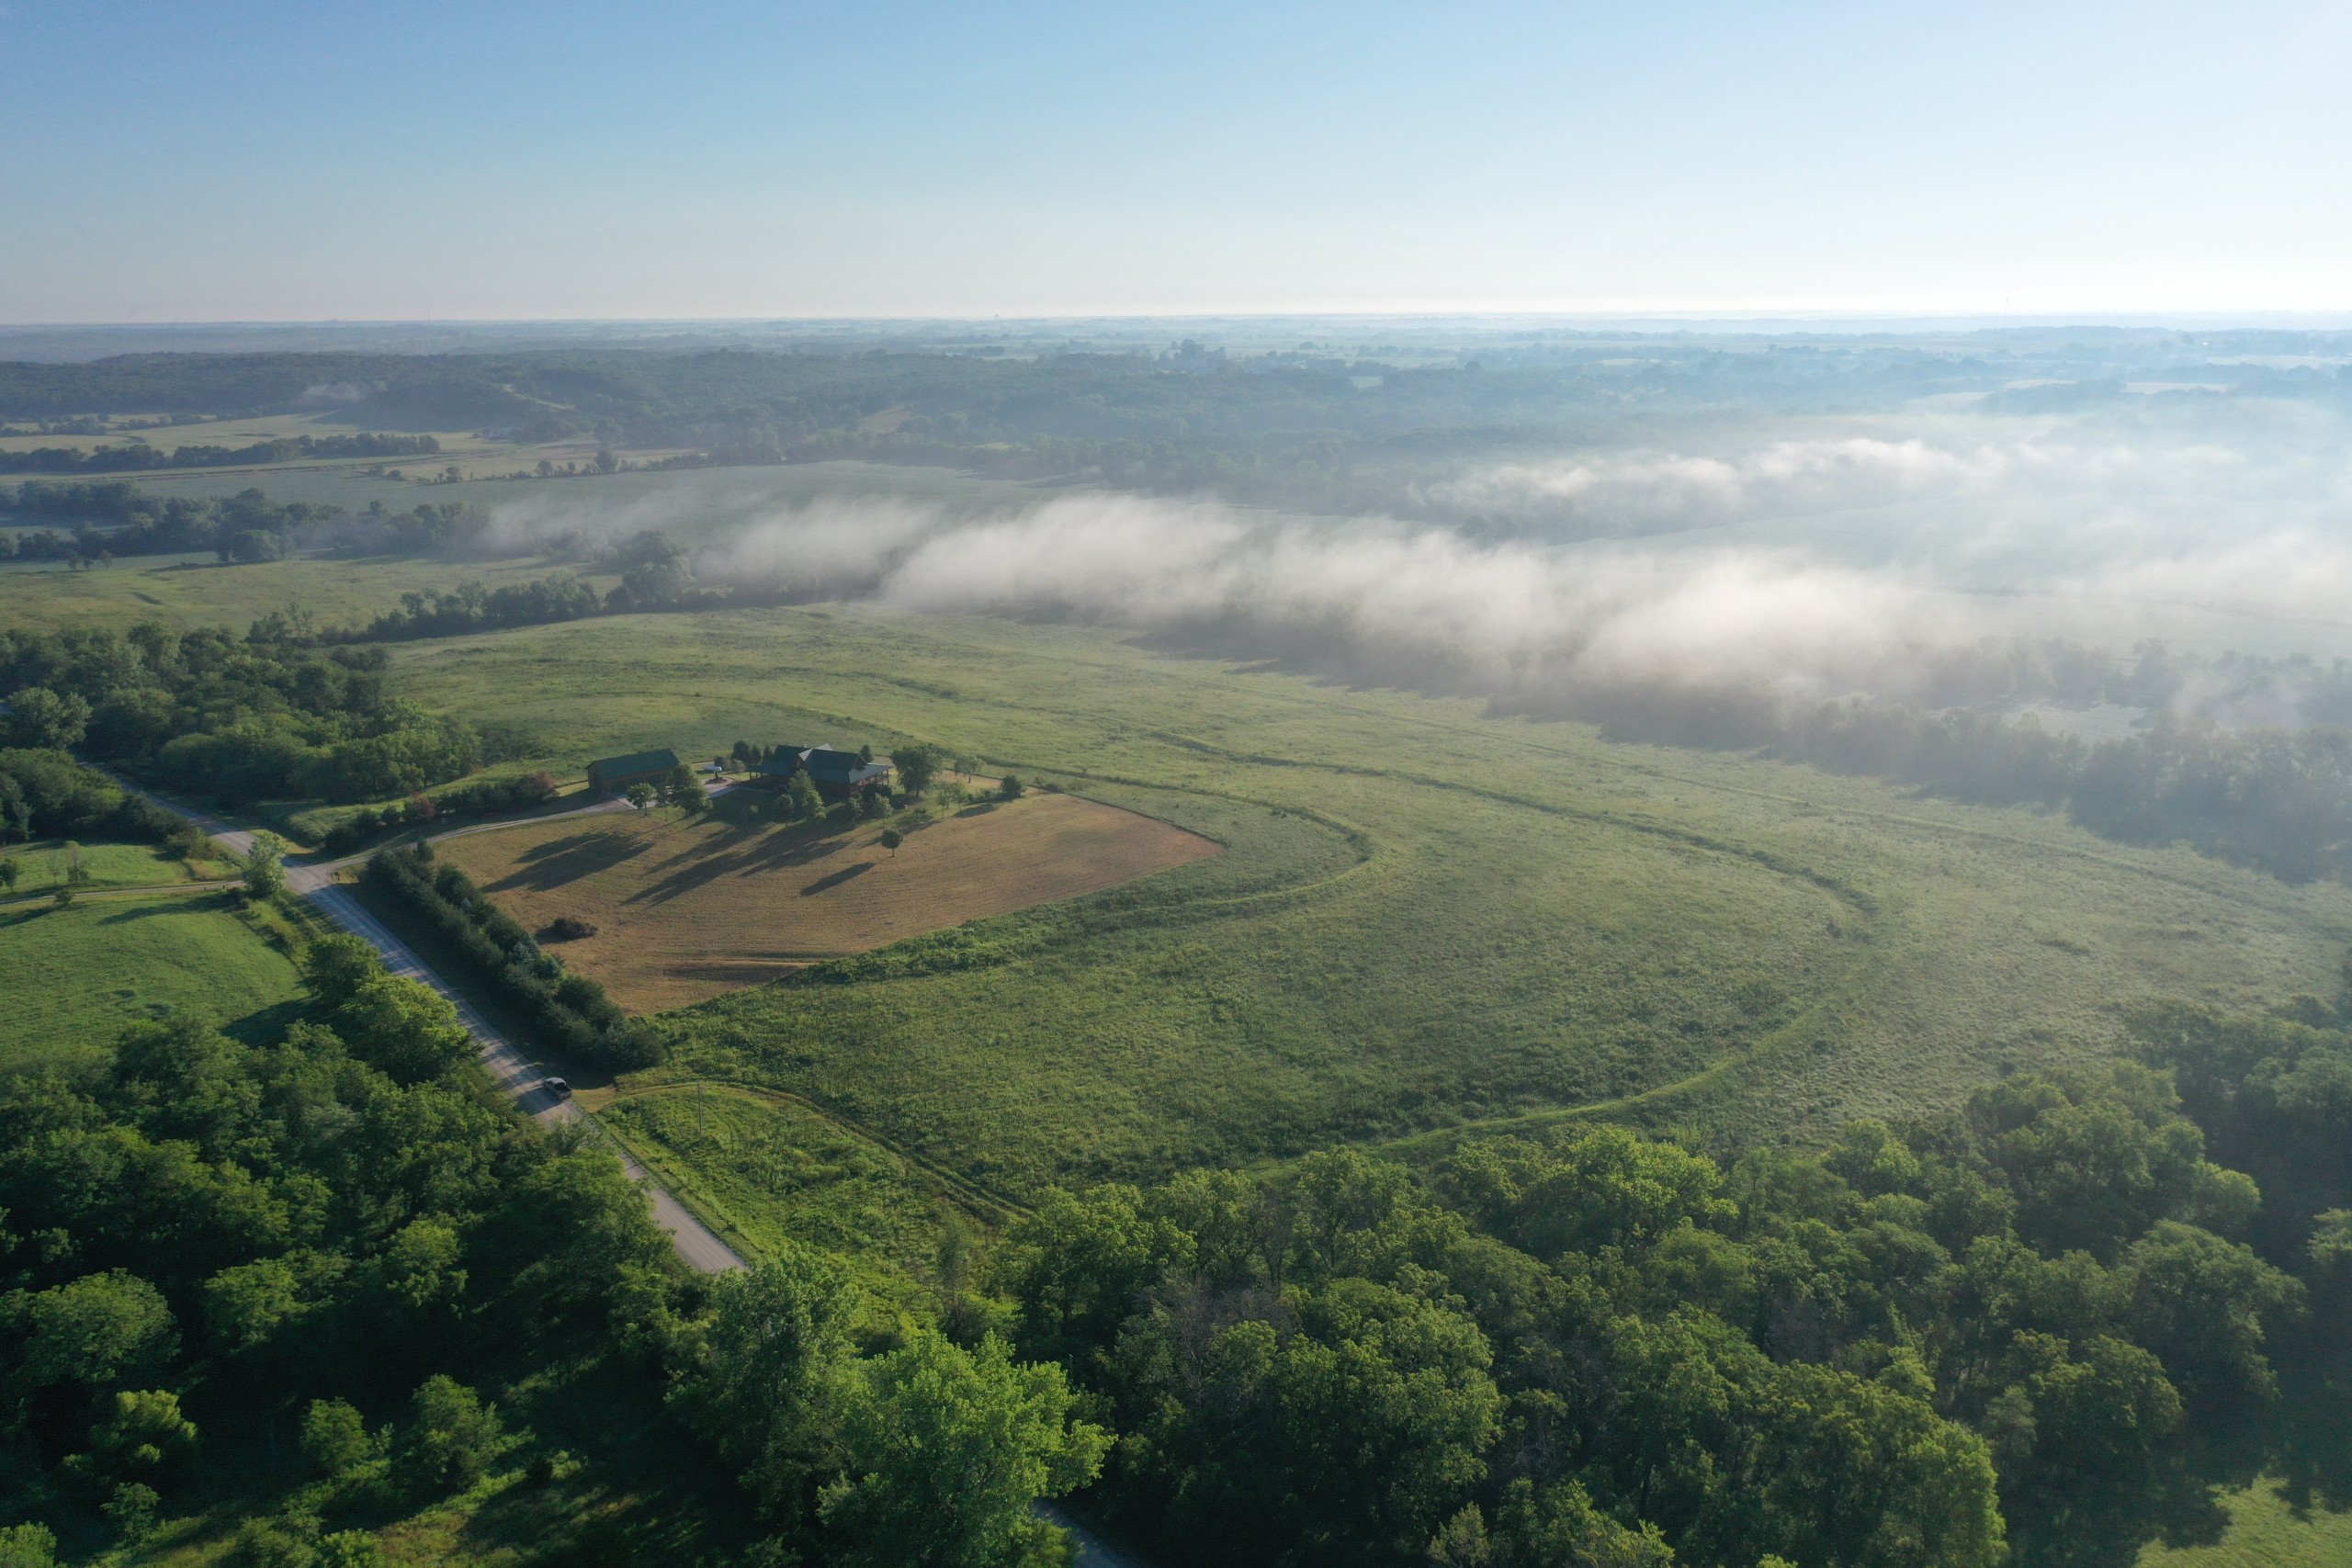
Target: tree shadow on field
199	904
835	879
762	854
550	865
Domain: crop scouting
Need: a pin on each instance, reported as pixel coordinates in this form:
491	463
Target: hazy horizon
735	162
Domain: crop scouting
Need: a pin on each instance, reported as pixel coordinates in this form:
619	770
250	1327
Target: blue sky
171	162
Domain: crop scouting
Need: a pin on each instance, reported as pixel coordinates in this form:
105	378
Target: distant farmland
687	910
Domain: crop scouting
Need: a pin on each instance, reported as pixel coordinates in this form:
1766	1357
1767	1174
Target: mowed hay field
687	909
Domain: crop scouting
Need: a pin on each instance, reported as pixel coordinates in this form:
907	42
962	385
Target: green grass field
194	591
1482	919
2264	1532
769	1171
42	864
76	977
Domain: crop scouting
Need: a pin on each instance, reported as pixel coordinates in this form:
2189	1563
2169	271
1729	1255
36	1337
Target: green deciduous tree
142	1436
27	1546
946	1452
97	1330
449	1440
264	875
40	720
802	793
763	1380
917	765
401	1027
333	1436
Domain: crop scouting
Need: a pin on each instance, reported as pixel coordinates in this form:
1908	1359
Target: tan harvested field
684	912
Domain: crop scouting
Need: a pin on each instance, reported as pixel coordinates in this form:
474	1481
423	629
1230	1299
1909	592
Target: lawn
687	909
1430	916
43	864
75	978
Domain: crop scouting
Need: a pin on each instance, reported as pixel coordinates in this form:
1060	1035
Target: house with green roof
838	775
615	774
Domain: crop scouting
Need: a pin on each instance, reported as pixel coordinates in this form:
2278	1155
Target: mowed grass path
72	979
1430	917
685	910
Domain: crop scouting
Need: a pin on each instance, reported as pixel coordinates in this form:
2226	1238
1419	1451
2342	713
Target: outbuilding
615	774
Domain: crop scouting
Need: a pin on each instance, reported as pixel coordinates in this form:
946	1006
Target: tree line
139	456
45	793
115	518
231	720
247	526
569	1011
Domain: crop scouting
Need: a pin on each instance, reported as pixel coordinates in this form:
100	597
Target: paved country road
514	1072
519	1077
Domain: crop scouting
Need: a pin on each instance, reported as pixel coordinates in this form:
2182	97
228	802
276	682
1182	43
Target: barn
615	774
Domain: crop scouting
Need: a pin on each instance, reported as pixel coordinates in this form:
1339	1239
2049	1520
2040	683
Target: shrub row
570	1012
485	797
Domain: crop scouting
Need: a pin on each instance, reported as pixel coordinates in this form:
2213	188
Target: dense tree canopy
231	719
1940	1344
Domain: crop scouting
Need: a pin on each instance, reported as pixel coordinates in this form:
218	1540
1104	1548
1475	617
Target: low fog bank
1903	668
1969	587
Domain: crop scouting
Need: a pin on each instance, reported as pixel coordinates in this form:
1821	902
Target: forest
2039	1329
2036	1330
228	719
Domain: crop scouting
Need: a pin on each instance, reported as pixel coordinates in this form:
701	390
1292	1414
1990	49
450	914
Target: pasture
77	976
43	865
686	909
1429	917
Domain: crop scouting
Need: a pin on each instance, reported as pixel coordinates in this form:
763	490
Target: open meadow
194	591
1428	918
45	863
770	1171
75	978
685	910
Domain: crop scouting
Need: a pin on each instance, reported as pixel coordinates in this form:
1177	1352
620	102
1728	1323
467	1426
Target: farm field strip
684	912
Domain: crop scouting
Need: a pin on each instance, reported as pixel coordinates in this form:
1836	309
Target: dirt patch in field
683	911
